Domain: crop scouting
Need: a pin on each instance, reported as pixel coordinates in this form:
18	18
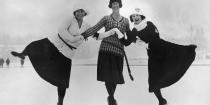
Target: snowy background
178	21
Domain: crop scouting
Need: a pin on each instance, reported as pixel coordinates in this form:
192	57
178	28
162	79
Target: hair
80	9
142	17
112	1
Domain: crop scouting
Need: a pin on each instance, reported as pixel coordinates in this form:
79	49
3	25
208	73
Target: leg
27	49
20	55
111	87
162	101
61	95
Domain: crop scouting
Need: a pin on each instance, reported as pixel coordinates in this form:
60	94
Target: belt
70	46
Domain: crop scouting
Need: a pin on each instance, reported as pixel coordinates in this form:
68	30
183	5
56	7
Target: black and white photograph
104	52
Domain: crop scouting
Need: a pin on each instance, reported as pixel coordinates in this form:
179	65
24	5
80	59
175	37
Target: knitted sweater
110	44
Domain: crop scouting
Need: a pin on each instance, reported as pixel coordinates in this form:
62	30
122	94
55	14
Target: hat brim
85	10
137	14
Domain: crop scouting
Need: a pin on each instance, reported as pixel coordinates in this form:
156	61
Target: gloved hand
100	36
119	34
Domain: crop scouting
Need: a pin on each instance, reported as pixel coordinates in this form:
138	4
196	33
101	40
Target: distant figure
22	62
1	62
7	62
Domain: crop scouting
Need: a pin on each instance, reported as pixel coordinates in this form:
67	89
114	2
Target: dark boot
163	102
20	55
59	103
158	94
111	101
115	102
192	48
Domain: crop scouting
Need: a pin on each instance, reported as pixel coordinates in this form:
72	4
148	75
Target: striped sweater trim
111	47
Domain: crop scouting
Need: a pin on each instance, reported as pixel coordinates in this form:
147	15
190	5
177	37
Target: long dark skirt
49	63
167	63
110	68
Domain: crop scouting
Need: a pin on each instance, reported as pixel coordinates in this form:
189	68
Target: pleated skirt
168	63
49	63
110	68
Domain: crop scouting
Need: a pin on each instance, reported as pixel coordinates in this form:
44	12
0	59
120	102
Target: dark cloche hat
112	1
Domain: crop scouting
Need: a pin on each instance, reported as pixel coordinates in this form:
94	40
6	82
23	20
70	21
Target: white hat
137	11
80	6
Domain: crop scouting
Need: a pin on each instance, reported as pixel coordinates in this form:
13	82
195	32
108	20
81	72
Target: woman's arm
131	37
91	31
100	36
125	41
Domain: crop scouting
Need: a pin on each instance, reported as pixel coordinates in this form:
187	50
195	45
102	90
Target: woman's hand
115	29
110	32
119	34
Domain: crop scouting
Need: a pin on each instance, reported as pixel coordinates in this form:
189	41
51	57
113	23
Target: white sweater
68	31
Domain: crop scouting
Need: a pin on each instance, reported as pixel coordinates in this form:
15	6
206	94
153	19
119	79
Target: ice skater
167	62
51	57
111	51
22	61
1	62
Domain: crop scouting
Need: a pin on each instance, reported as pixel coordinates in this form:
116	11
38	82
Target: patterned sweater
110	44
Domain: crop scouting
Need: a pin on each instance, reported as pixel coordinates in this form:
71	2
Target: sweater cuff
96	35
122	40
85	37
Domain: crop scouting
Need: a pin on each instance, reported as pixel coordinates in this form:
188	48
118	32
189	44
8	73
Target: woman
51	57
111	51
22	62
167	61
8	62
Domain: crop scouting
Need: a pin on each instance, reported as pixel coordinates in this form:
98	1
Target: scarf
141	25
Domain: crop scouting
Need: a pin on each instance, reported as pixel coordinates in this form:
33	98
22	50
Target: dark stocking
61	95
110	87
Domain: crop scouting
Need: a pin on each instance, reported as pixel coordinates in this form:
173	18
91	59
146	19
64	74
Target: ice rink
23	86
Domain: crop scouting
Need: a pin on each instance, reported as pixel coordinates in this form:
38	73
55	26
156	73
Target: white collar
76	22
141	25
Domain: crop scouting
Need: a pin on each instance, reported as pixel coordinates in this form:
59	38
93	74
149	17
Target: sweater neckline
116	20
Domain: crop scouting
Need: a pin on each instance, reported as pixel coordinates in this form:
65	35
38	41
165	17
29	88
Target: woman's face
79	14
136	18
115	6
